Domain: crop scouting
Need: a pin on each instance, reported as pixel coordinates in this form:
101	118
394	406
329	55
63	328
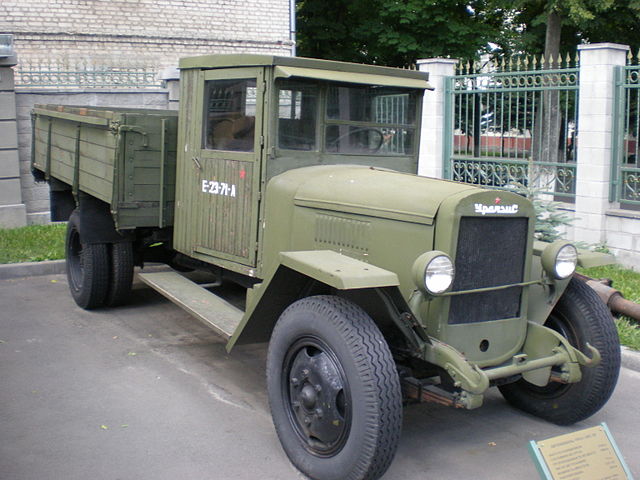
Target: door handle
197	162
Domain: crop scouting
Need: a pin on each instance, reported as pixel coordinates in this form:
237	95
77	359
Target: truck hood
370	191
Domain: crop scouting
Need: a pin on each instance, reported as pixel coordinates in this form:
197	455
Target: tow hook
586	361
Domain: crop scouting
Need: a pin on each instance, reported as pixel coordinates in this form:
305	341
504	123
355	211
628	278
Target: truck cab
246	119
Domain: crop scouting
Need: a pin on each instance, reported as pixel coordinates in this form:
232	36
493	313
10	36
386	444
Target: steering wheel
360	148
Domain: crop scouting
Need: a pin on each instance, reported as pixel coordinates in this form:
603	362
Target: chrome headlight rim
431	269
560	259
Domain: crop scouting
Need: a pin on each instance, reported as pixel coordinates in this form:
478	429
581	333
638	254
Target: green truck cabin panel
218	186
312	68
288	160
339	271
358	212
184	214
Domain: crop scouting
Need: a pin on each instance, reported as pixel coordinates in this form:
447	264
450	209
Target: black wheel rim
74	259
317	396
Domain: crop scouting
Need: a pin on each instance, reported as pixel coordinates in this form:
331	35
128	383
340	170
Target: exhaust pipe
612	298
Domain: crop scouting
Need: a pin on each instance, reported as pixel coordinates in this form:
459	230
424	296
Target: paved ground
146	392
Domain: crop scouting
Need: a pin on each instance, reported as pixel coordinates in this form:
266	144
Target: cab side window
230	115
370	120
297	115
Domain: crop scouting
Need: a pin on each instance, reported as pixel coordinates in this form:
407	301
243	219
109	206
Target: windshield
358	119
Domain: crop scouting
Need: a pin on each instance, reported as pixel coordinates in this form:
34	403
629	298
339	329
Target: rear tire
334	390
121	274
581	317
87	267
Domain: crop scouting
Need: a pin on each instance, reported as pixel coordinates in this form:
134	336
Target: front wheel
334	390
581	317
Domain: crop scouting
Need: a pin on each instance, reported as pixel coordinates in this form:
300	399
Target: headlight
566	261
560	259
433	272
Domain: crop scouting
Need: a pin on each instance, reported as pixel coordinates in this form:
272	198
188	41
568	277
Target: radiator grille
491	252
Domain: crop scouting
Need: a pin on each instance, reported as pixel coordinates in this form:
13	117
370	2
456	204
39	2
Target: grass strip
628	282
33	243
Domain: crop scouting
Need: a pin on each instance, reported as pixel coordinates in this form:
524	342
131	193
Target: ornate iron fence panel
625	164
512	127
392	109
62	74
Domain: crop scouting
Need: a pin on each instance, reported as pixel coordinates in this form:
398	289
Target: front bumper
543	349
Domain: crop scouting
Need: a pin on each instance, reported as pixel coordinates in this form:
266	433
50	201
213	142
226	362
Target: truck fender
542	298
306	273
61	200
96	222
586	258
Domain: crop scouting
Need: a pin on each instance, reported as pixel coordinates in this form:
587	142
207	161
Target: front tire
334	390
581	317
87	267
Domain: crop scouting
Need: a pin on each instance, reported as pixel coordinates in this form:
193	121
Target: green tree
557	26
395	32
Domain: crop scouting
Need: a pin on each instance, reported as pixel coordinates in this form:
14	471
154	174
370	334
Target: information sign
589	454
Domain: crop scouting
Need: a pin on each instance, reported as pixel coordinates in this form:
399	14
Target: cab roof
331	70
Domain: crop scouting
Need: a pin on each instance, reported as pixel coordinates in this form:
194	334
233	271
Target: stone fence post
170	77
13	212
430	160
595	122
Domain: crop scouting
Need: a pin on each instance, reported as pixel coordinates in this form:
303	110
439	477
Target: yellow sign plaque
588	454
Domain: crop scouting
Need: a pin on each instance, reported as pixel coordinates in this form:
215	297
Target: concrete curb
31	269
630	358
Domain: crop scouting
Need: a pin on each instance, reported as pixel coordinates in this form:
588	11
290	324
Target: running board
208	307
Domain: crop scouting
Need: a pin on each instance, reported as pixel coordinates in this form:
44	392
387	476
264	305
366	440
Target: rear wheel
121	273
334	390
581	317
87	267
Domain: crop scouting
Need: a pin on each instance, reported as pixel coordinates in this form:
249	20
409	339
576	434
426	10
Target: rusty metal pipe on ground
612	297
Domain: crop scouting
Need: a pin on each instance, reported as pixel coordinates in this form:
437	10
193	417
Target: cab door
220	189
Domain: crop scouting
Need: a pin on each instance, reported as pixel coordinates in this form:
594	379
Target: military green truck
296	178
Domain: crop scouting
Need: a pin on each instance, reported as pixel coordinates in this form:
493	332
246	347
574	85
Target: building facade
161	31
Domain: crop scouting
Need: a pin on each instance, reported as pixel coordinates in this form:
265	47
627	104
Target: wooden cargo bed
123	157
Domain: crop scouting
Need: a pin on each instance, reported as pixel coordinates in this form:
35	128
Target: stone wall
12	210
622	235
164	30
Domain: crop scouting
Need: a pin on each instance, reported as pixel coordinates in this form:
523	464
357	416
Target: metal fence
66	74
625	164
514	125
392	109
